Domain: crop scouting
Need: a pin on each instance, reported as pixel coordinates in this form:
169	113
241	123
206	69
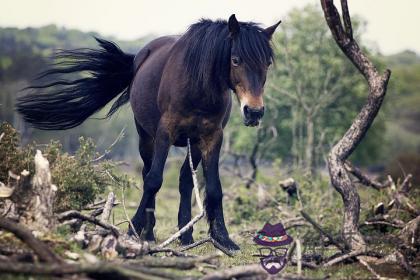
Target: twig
344	257
291	251
322	231
221	248
405	185
123	204
106	213
1	136
371	270
42	250
363	178
195	244
126	214
122	222
73	214
299	256
384	223
305	264
108	150
198	202
95	271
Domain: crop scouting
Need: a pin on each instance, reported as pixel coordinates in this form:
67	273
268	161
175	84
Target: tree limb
42	250
348	143
73	214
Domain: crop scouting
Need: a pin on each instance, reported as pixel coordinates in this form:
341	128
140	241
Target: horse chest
194	128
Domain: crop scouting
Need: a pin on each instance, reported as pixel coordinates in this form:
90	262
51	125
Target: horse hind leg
185	189
144	224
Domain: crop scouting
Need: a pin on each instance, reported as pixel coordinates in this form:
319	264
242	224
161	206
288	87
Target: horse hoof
228	244
186	240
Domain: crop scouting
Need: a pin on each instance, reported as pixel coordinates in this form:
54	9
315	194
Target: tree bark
343	35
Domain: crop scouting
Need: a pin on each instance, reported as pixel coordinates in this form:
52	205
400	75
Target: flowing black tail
109	72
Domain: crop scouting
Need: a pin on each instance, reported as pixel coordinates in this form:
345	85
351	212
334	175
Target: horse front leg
152	183
210	150
185	189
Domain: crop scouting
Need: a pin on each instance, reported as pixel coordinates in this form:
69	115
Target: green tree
312	94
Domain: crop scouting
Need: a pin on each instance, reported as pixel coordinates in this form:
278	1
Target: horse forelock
208	49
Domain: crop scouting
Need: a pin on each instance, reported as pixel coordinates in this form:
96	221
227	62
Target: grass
320	200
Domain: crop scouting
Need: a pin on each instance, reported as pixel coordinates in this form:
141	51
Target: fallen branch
363	178
95	271
73	214
322	231
178	263
381	223
344	257
26	236
368	267
221	248
198	202
248	271
195	244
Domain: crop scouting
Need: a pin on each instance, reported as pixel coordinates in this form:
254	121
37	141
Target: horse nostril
252	113
246	111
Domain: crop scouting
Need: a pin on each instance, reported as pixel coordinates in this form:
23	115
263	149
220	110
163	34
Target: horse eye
235	61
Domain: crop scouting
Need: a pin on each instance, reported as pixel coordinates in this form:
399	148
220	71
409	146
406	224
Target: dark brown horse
179	88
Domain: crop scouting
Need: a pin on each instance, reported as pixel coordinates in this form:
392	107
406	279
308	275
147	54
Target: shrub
78	178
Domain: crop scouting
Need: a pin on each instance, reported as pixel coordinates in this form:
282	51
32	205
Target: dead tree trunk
31	201
39	214
343	35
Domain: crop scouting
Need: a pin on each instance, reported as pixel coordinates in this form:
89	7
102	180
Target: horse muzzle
252	116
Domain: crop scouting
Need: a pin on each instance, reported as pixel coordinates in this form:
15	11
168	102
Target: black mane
208	49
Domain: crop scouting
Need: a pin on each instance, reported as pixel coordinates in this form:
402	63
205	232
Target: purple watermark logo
272	254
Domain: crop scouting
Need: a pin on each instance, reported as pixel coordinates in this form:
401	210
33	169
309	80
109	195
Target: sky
393	25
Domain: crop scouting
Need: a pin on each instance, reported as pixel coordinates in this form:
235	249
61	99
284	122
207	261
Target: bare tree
343	35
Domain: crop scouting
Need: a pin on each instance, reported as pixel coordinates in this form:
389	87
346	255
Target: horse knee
214	196
153	182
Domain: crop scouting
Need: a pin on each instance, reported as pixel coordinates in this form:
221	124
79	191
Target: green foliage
79	178
12	157
311	83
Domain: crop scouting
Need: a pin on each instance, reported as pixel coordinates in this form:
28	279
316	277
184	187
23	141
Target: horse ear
233	25
270	30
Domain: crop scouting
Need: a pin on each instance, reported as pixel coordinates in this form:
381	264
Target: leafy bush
79	179
12	158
